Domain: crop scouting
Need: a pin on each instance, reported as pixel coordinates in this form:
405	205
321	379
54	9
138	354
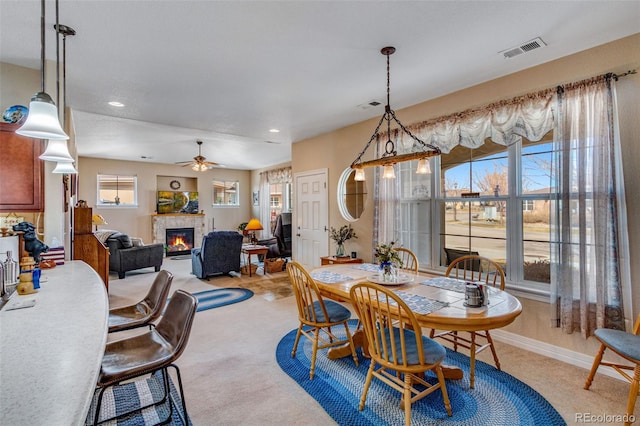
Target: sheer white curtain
263	200
589	254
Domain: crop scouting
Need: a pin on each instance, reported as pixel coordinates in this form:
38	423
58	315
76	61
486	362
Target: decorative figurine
31	243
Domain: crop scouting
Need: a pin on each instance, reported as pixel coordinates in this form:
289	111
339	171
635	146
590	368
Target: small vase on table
340	250
388	272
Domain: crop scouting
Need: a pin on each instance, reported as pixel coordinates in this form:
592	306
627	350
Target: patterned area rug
497	399
123	398
210	299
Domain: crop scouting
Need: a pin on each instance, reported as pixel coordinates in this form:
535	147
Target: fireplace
179	241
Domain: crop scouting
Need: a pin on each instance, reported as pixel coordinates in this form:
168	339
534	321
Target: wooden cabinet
21	171
332	260
87	247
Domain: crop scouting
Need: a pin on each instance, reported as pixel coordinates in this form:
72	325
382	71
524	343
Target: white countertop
50	354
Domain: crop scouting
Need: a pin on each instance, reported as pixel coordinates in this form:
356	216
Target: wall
340	147
137	221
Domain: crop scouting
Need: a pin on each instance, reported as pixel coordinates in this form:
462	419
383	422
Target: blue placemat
446	283
419	304
367	267
329	277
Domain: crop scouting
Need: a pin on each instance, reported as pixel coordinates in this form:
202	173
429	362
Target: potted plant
341	235
242	226
389	259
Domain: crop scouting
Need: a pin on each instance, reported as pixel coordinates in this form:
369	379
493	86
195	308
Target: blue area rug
497	399
129	396
210	299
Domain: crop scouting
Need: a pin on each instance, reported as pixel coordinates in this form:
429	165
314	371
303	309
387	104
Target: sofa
124	256
219	254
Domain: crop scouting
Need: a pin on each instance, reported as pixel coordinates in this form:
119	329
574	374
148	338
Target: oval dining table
436	301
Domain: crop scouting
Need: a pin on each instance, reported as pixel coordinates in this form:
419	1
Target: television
177	202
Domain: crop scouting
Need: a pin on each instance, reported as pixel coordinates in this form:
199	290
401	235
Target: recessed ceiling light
116	104
274	130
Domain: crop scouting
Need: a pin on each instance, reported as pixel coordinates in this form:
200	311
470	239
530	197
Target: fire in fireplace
179	241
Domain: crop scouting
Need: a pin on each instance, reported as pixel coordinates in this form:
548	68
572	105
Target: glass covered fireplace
179	241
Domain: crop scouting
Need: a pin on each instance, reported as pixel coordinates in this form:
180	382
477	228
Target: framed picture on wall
256	198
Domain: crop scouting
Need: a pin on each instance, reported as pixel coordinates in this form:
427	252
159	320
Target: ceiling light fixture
274	130
42	121
199	163
65	169
116	104
420	151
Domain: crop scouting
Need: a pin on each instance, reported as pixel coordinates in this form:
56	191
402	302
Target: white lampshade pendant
359	175
57	151
389	172
423	167
65	169
42	121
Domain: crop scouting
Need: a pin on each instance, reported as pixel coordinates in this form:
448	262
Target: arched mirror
352	195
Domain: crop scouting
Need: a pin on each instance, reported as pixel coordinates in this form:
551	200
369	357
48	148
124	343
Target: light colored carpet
231	376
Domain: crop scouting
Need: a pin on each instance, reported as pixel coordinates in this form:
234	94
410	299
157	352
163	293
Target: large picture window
117	191
226	193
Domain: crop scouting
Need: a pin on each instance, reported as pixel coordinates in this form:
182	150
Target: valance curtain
589	259
583	116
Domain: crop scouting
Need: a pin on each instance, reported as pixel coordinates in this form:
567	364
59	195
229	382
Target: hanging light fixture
65	169
42	121
420	151
57	150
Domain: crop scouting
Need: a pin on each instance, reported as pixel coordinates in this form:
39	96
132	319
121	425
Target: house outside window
117	191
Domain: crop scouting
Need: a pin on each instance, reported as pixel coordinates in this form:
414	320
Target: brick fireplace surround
160	222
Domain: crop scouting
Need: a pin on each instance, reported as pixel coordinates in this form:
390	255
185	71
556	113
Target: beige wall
137	221
340	147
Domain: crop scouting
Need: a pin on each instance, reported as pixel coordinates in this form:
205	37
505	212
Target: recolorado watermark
604	418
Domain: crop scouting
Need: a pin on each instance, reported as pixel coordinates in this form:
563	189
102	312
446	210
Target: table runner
446	283
367	267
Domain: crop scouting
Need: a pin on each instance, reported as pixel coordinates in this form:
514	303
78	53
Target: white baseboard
556	352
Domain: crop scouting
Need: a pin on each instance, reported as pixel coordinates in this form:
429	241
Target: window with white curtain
117	191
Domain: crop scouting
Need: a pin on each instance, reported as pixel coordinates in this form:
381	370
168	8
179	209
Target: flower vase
340	250
388	272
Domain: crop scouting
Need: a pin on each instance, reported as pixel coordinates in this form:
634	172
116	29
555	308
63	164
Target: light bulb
389	172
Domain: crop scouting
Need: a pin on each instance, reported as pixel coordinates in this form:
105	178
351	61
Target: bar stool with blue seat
626	345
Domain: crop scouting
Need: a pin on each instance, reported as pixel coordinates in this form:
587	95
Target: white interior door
311	218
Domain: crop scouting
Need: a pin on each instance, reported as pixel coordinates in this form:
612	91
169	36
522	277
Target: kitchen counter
50	354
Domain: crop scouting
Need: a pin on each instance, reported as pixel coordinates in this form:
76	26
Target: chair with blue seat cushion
397	346
626	345
317	315
219	253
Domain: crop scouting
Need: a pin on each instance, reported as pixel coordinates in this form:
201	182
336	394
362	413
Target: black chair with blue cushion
317	315
219	254
627	346
397	346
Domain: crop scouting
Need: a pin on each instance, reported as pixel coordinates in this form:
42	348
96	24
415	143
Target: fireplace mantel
160	222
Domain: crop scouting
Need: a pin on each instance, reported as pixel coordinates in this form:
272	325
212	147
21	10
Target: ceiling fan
199	163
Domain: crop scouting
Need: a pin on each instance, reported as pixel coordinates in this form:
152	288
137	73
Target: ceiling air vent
525	47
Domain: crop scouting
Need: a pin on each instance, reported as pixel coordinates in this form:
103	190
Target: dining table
438	302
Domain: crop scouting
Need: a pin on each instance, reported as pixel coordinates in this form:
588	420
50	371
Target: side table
332	260
250	249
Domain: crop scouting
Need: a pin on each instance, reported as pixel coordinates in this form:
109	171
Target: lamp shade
65	169
57	151
254	225
423	167
97	219
42	121
388	172
359	175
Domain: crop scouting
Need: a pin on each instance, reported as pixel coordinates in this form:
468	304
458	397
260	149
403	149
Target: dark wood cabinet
21	171
87	247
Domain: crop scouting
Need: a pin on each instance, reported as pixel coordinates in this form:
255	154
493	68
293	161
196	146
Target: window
117	191
279	201
226	193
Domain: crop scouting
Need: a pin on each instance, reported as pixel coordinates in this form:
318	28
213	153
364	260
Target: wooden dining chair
409	260
397	346
317	315
627	346
478	269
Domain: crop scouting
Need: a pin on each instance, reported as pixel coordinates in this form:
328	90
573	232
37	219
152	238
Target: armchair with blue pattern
219	254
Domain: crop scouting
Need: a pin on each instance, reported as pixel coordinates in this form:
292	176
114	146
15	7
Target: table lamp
253	226
97	219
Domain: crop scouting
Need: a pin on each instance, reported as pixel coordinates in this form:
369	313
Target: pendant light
42	121
65	169
420	151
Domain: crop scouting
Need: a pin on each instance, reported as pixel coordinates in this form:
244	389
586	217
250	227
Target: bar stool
147	353
147	310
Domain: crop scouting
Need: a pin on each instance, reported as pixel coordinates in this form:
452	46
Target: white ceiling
226	72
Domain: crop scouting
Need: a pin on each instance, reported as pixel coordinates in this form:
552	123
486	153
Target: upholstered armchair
124	256
219	254
282	232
